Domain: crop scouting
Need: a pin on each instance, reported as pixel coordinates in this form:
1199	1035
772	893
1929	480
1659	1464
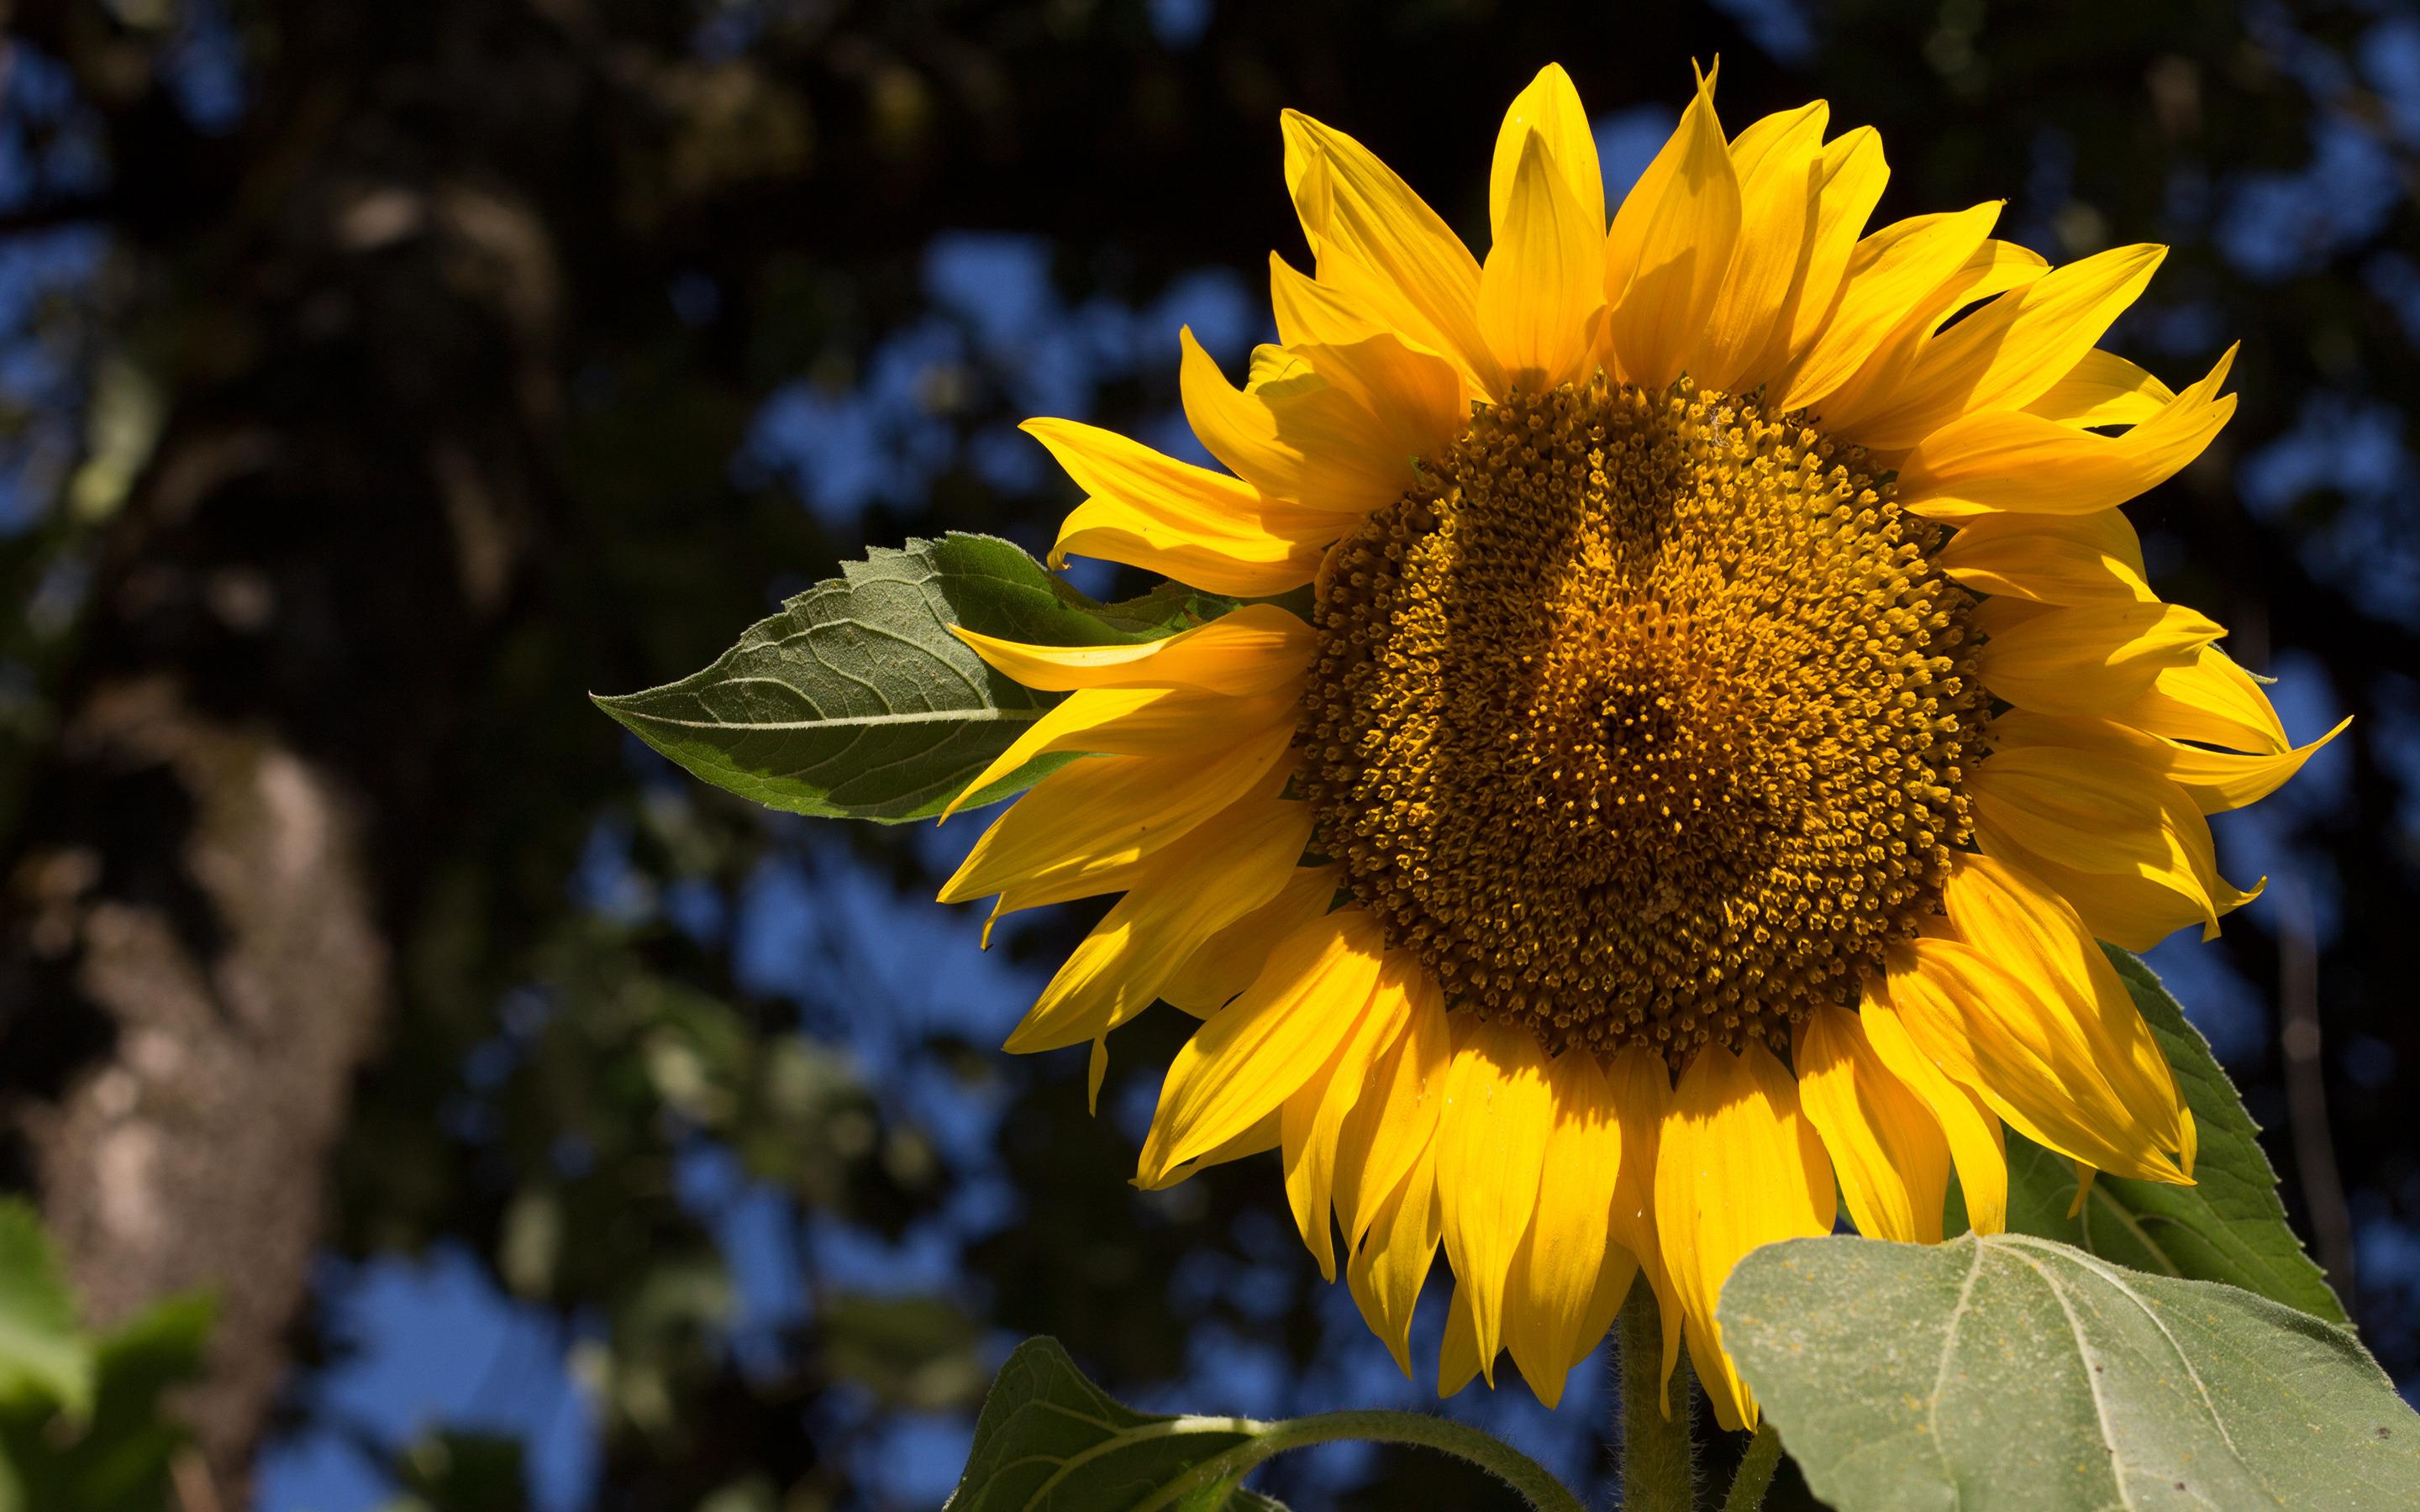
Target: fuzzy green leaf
44	1355
2009	1372
857	702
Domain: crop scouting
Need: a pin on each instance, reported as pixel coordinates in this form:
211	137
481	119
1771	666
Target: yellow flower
1732	709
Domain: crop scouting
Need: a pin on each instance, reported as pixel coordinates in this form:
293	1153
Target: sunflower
1697	707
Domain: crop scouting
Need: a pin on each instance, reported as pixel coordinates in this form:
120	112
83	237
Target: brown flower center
1643	718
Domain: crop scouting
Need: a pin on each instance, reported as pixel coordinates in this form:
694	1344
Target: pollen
1643	718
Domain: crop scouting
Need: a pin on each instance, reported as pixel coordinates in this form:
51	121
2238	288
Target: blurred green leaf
118	1459
1050	1438
453	1471
45	1356
857	702
2229	1225
914	1352
2010	1371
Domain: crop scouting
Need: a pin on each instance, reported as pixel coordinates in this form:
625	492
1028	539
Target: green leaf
2229	1225
1051	1441
857	702
44	1355
2009	1371
118	1459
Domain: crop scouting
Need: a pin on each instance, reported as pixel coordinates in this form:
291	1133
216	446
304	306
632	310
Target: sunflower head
1732	711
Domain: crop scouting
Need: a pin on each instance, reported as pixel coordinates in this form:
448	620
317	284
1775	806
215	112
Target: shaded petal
1260	648
1125	721
1977	1146
1387	1268
1397	1119
2086	658
1555	1290
1226	963
1549	107
1852	173
1193	889
2103	388
1889	273
2026	929
1886	1146
1316	1115
2009	353
1312	313
1305	437
1739	1168
1669	246
1779	164
2007	459
2050	559
1075	833
1995	1031
1164	515
1640	1091
1491	1144
2217	780
1250	1057
2123	844
2209	699
1541	297
1378	242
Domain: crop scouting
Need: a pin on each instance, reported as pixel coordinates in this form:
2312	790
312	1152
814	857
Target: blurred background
551	1132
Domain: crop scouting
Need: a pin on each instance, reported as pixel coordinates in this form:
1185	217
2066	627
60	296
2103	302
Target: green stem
1540	1489
1659	1467
1755	1471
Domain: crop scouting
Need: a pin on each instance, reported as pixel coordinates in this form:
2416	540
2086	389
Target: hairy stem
1755	1471
1659	1470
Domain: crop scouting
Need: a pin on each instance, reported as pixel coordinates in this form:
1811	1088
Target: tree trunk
353	334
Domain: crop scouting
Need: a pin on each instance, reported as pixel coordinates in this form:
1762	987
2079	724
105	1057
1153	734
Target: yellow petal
1852	173
1312	313
1072	833
1640	1091
2026	929
2087	658
1541	297
2007	459
1193	889
1977	1148
1386	1271
1260	648
1553	1292
1378	242
2125	845
2210	700
2217	780
1458	1360
1994	1031
1739	1168
1886	1146
1203	528
2103	388
1669	246
1411	397
1251	1056
1260	1138
2009	353
1779	164
1993	268
1491	1143
1314	1117
2050	559
1226	963
1123	721
1888	274
1304	438
1550	109
1396	1121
